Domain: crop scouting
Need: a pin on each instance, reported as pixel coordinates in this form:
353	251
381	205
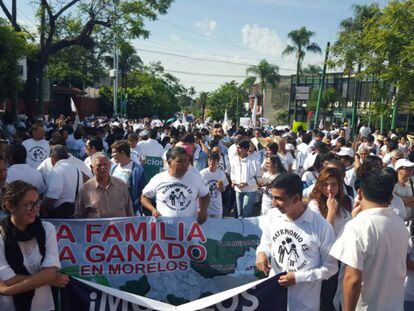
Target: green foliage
329	95
225	97
13	46
267	73
148	95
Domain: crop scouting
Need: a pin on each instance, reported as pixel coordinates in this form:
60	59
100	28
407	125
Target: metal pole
115	64
394	110
318	104
382	124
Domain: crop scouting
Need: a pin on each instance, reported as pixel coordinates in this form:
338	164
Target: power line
204	59
204	74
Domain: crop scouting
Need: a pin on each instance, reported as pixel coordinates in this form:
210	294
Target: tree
312	70
13	47
202	101
389	39
248	84
301	44
227	96
329	96
267	73
125	18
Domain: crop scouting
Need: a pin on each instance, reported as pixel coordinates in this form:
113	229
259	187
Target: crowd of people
338	210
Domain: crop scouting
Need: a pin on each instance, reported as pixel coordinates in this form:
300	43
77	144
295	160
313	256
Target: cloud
174	38
208	26
262	39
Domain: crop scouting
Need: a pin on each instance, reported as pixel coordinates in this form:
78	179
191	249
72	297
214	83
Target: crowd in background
321	179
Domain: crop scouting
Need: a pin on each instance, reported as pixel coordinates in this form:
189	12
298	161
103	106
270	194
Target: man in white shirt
19	170
179	192
373	247
63	183
244	173
37	147
298	241
151	147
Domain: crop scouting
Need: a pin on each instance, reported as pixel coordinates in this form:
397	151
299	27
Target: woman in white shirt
328	199
274	168
28	253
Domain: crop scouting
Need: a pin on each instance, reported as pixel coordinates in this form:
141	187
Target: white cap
403	163
346	151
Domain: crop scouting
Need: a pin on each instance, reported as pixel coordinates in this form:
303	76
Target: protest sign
172	259
265	294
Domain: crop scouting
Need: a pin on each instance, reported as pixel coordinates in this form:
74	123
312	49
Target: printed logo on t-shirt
177	196
290	250
38	154
212	188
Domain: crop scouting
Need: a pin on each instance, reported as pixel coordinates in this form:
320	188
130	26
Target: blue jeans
245	202
408	305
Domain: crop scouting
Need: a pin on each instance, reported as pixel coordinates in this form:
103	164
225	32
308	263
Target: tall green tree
227	96
13	46
125	18
267	74
389	38
312	70
300	44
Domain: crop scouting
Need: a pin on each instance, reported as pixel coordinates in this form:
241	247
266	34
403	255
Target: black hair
278	163
214	156
214	143
97	143
122	146
174	153
274	147
376	186
17	153
245	144
188	139
306	138
153	134
317	165
291	183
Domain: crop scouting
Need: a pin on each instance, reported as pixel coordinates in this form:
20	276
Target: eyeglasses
31	206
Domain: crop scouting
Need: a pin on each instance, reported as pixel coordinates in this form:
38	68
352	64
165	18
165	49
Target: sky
208	42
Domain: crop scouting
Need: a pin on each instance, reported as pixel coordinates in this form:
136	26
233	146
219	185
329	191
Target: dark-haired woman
274	168
28	253
328	199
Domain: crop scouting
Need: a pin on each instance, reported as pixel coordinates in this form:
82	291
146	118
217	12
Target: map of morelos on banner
174	260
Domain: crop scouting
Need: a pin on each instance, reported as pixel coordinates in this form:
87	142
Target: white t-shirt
150	148
376	243
210	179
42	299
301	246
309	178
37	151
287	159
62	181
267	179
26	173
46	167
340	220
176	197
123	172
364	131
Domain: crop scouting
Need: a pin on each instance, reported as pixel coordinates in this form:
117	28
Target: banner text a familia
175	260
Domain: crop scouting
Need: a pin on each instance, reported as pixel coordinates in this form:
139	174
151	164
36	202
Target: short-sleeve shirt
42	299
176	197
376	243
95	201
37	151
211	179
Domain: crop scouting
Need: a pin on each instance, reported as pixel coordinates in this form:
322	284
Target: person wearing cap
404	187
347	155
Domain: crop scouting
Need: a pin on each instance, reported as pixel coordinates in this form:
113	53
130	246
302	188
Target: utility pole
322	82
41	68
116	62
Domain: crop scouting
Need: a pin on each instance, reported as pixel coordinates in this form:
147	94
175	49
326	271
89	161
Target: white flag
72	105
254	112
225	122
321	124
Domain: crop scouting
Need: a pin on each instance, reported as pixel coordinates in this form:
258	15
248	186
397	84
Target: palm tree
267	73
301	44
312	70
202	100
191	92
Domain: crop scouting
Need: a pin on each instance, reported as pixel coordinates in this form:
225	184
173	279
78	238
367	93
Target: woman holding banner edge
28	253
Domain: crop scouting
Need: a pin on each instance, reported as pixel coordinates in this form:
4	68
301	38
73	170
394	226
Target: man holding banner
179	191
298	241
